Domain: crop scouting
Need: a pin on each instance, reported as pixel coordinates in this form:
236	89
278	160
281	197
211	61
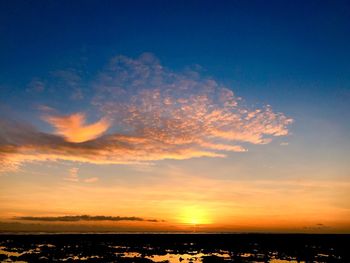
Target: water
174	248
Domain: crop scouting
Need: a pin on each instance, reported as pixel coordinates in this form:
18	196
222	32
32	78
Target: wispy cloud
83	218
36	85
91	180
73	175
148	113
317	227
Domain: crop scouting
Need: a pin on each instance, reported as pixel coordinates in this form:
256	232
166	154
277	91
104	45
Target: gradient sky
175	116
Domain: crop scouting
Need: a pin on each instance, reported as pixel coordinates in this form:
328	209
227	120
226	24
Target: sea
174	247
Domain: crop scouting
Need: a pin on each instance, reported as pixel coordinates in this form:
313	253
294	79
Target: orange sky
180	202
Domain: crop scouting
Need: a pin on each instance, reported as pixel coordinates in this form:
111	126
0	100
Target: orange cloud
73	127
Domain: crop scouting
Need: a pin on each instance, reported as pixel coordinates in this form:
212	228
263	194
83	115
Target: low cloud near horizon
77	218
145	113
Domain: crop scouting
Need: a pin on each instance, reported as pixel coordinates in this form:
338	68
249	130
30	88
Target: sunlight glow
194	215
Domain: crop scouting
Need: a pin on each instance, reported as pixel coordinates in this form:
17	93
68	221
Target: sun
194	215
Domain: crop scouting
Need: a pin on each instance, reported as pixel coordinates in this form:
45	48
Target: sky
190	116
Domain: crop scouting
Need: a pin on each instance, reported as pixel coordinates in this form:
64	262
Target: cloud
36	85
73	175
317	227
91	180
181	108
147	113
83	218
73	127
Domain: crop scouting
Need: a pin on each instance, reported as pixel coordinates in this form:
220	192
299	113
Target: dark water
276	248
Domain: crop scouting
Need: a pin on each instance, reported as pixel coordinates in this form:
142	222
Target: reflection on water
185	258
171	248
12	253
283	261
194	256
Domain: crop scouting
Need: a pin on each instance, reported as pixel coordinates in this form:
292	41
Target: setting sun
194	215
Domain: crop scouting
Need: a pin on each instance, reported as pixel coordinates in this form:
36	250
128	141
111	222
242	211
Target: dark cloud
59	227
317	227
83	218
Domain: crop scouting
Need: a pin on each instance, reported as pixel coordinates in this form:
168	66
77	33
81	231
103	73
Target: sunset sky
229	116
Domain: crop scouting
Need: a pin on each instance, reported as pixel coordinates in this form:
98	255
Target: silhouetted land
175	248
